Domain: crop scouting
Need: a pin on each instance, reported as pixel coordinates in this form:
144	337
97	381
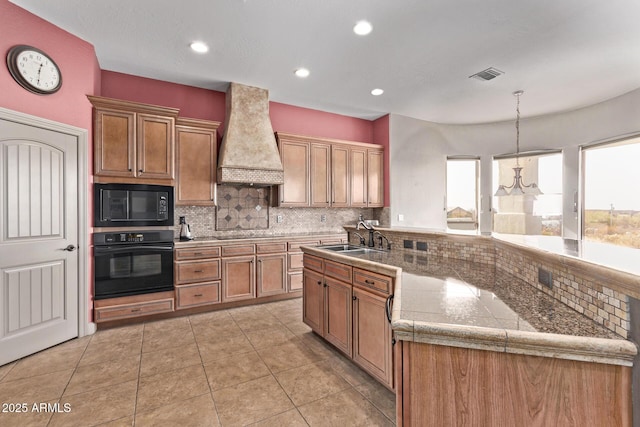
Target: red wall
193	102
308	122
76	59
210	105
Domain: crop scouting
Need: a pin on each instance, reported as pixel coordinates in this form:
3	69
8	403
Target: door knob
70	248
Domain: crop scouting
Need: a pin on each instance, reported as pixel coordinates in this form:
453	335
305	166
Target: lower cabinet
239	278
348	316
271	275
197	294
372	335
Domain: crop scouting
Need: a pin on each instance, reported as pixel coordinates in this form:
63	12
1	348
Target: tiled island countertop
464	304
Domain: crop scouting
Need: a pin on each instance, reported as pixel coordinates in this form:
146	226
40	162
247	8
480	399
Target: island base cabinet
313	301
337	314
372	348
441	385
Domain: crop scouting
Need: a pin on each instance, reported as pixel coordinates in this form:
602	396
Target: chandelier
517	188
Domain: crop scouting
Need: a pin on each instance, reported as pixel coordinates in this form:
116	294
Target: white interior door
38	239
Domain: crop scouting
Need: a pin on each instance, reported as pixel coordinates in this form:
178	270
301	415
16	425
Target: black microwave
131	205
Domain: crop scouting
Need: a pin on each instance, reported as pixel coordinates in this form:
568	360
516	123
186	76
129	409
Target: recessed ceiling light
302	72
362	28
377	92
199	47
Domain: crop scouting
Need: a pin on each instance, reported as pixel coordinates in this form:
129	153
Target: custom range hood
248	154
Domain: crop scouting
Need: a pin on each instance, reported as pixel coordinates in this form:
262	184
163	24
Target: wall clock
34	70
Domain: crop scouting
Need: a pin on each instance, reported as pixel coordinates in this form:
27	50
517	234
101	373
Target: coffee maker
185	230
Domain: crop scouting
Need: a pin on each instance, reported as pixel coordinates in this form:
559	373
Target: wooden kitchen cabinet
372	336
321	172
238	278
133	142
337	314
358	176
313	301
340	176
320	177
196	161
271	274
375	178
295	155
328	300
347	306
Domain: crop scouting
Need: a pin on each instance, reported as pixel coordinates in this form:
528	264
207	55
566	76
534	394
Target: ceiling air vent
488	74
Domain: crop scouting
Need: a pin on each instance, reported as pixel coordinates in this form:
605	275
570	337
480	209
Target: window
462	194
611	198
530	214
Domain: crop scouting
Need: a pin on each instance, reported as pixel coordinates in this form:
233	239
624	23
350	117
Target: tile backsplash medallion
238	215
242	208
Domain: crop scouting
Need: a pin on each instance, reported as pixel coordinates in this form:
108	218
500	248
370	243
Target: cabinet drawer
338	271
370	280
271	248
295	261
125	311
197	271
313	263
238	250
294	282
295	246
195	295
197	253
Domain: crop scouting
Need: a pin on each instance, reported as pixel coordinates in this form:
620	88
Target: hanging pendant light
517	188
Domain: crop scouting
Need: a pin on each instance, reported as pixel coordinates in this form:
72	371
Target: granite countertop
463	304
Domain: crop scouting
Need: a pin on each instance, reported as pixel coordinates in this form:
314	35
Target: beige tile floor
257	365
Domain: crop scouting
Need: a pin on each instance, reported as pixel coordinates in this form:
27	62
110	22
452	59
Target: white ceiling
564	54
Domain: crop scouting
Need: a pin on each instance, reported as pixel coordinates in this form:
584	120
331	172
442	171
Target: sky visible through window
612	177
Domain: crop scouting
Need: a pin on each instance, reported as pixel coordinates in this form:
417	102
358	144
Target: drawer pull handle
197	253
369	282
197	271
134	310
198	295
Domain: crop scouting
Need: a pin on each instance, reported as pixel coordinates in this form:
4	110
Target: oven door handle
121	249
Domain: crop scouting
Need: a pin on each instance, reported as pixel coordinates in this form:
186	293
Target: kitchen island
478	346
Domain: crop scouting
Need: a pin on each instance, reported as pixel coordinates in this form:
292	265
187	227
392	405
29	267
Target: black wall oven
132	263
132	205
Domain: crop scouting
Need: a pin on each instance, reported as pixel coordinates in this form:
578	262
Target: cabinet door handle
130	169
140	171
325	284
387	307
354	297
369	282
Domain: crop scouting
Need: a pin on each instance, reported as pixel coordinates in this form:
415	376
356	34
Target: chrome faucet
368	227
380	237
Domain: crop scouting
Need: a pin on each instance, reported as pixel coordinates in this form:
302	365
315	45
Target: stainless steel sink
340	248
348	249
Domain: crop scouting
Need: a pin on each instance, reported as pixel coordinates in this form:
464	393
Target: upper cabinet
133	142
323	172
196	161
295	155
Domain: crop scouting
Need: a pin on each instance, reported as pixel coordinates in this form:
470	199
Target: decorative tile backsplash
242	208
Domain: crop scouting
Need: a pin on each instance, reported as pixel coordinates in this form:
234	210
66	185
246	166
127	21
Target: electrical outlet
323	218
279	219
400	217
